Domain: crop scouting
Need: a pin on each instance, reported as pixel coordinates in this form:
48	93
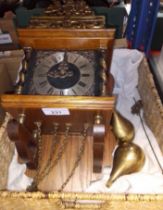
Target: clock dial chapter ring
64	73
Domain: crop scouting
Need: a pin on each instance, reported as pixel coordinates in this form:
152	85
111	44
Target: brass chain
38	153
37	136
78	159
76	164
55	142
52	163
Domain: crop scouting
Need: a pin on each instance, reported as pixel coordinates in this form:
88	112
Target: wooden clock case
93	111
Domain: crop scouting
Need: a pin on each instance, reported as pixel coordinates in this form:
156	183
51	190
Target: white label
56	111
5	39
5	53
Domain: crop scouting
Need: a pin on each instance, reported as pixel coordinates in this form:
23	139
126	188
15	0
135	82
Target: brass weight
128	158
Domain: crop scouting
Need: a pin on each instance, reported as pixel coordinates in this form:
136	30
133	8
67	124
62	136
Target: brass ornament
103	75
68	8
128	158
98	119
21	118
23	70
68	14
123	129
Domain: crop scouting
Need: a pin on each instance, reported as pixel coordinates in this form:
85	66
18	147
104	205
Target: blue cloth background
141	24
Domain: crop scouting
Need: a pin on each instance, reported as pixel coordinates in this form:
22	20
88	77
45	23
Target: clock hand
58	74
63	69
63	66
65	57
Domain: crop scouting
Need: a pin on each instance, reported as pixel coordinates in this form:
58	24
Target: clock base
83	174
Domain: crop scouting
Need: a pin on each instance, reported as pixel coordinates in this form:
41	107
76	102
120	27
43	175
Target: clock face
63	73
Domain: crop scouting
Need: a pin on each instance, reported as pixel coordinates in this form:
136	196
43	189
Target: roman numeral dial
64	73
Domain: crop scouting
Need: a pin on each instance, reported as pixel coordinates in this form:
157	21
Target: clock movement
64	87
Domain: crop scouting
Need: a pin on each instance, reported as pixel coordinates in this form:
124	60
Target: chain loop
41	174
79	156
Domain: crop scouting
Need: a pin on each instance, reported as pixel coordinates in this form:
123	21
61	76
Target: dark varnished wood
98	146
25	144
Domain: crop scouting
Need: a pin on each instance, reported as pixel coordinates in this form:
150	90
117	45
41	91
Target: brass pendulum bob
128	158
123	129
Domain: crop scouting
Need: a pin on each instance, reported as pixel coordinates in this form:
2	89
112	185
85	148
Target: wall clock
64	79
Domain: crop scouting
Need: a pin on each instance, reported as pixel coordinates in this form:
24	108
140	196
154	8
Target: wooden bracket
24	142
98	144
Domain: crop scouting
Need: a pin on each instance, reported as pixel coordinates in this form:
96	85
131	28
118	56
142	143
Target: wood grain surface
83	175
